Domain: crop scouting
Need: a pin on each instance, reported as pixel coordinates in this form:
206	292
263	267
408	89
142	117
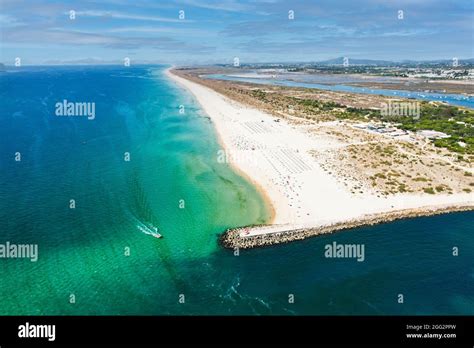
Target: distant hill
375	62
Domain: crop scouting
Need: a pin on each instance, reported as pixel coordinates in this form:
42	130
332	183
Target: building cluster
456	74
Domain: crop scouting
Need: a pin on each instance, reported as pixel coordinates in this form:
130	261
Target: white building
431	134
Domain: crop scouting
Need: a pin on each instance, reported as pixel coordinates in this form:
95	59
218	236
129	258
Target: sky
217	31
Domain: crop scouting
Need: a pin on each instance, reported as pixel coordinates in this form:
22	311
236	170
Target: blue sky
41	31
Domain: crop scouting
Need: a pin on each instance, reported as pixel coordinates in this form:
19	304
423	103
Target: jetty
266	235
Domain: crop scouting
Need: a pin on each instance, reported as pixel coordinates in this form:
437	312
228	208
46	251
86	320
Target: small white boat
155	231
150	230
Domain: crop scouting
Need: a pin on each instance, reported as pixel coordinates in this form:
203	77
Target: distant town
454	69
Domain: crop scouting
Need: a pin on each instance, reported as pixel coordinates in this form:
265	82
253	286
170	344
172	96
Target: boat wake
148	228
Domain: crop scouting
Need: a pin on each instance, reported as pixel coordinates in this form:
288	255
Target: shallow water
83	251
453	99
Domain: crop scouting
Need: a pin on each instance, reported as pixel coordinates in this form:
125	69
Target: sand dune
275	156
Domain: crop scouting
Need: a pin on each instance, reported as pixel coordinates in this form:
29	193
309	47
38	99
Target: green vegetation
259	94
452	120
429	190
456	122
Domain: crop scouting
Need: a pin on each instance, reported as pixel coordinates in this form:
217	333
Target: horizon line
108	63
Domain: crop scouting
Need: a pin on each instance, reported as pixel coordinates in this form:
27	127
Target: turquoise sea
99	253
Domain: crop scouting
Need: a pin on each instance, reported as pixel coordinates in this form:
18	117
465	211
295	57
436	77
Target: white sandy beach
275	156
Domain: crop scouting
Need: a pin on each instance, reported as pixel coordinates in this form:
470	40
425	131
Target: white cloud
151	29
120	15
9	21
220	5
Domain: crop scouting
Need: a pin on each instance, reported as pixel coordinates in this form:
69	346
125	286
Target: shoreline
304	199
269	205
